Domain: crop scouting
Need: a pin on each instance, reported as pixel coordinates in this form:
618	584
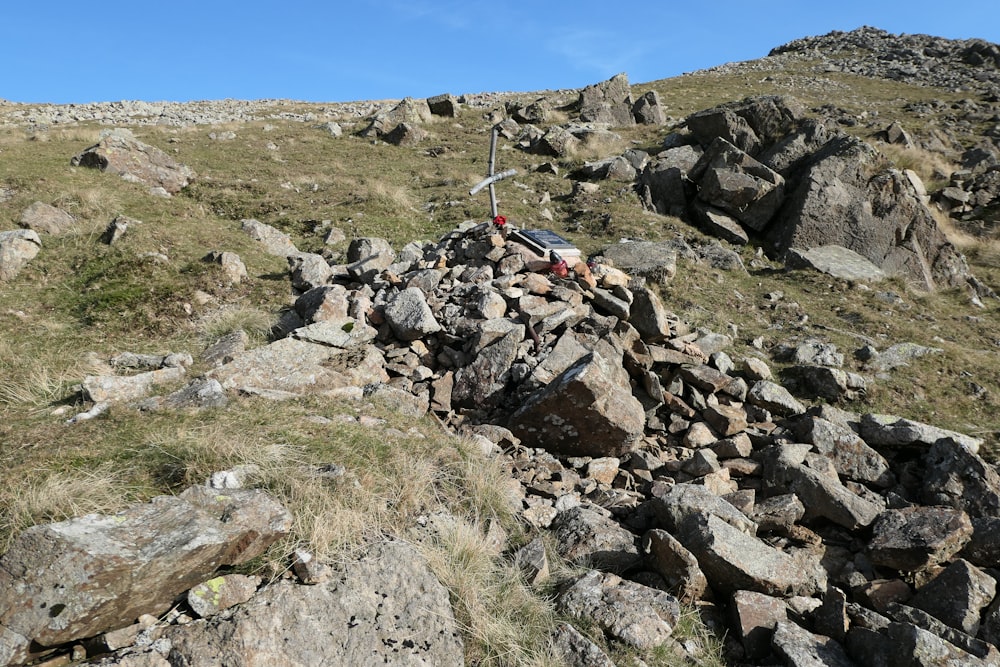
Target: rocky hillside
280	388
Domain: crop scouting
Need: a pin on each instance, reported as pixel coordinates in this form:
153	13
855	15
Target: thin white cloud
597	52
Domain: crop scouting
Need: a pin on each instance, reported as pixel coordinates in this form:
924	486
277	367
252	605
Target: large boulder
729	179
385	608
74	579
118	152
846	196
582	412
608	102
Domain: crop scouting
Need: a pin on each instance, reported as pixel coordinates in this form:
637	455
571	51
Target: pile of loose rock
650	456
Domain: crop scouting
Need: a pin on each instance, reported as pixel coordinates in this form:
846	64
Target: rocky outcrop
72	580
118	152
766	170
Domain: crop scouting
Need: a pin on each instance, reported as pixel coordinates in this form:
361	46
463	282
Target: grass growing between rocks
80	302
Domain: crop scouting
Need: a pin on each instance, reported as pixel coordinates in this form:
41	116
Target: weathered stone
958	477
309	270
846	197
532	562
836	261
226	348
17	249
683	501
778	512
78	578
408	110
915	537
647	110
576	650
118	152
733	560
822	495
589	538
755	616
582	412
725	419
274	241
720	224
774	398
729	179
369	256
481	383
801	648
409	315
666	179
340	332
220	593
233	268
678	566
915	646
46	219
654	261
607	102
957	595
983	548
323	303
634	614
900	354
892	431
385	608
397	400
851	456
557	142
120	388
405	134
443	105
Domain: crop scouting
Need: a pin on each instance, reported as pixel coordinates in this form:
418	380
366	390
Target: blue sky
68	51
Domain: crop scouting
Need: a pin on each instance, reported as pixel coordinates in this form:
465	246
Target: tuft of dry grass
57	495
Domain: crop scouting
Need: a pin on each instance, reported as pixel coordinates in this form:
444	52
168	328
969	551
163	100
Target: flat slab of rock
836	261
912	538
652	260
46	219
65	581
635	614
386	608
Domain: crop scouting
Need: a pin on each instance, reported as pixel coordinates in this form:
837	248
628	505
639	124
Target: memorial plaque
542	241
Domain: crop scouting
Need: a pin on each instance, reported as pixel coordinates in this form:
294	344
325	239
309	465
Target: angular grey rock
46	219
655	261
121	388
836	261
774	398
608	102
983	549
17	249
778	512
121	153
801	648
220	593
198	394
590	538
75	579
481	383
678	566
274	241
226	348
900	354
582	412
905	614
405	134
409	315
683	501
647	110
323	303
755	616
720	224
557	142
309	270
915	646
576	650
443	105
233	268
385	608
532	561
284	365
832	384
891	431
958	477
632	613
368	257
822	495
846	197
666	179
396	399
729	179
913	538
733	560
957	596
408	110
851	456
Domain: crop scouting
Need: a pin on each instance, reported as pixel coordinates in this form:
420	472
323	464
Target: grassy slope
81	302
